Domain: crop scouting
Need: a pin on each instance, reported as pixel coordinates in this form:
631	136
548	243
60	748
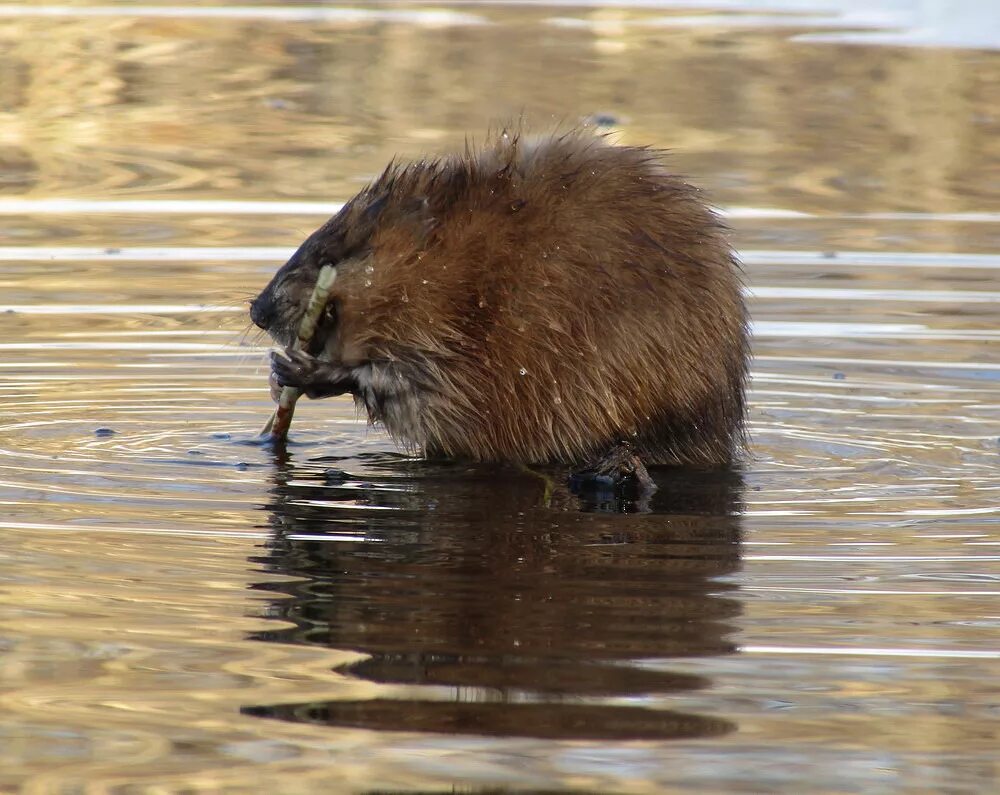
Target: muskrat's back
536	301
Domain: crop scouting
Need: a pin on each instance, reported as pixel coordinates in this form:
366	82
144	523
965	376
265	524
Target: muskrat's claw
272	382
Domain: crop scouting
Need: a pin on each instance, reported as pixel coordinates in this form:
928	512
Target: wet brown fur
538	300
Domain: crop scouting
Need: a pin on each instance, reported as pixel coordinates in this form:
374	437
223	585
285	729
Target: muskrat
550	300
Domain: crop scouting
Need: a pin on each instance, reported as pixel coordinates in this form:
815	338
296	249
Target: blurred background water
183	611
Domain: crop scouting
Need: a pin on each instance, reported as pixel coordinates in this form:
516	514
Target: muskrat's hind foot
619	470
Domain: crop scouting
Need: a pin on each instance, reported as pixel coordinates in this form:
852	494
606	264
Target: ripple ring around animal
536	300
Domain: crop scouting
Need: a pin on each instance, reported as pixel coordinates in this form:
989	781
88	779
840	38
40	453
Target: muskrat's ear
416	215
412	214
373	211
357	221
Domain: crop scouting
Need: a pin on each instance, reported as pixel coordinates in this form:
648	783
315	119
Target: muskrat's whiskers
248	342
249	337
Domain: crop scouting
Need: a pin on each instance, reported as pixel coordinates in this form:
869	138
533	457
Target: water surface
184	611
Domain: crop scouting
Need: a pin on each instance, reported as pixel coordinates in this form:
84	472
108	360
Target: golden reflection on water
824	621
270	108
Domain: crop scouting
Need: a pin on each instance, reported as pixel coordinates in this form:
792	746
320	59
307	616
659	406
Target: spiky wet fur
535	300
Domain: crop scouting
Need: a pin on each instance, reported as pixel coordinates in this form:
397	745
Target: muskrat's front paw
292	368
311	376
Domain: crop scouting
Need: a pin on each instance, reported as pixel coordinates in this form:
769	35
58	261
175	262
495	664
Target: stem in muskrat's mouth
281	420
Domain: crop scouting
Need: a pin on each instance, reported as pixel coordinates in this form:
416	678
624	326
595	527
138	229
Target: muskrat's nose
262	311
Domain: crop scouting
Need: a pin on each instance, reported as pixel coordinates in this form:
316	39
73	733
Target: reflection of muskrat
556	300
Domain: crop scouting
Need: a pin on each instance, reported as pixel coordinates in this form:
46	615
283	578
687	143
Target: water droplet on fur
423	281
369	269
523	371
557	400
368	282
482	302
404	298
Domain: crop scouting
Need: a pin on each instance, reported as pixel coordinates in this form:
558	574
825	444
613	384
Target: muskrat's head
279	307
343	239
349	241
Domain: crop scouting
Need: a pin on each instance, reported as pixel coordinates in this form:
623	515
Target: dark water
493	611
182	610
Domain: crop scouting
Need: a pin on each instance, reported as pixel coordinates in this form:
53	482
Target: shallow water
183	611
